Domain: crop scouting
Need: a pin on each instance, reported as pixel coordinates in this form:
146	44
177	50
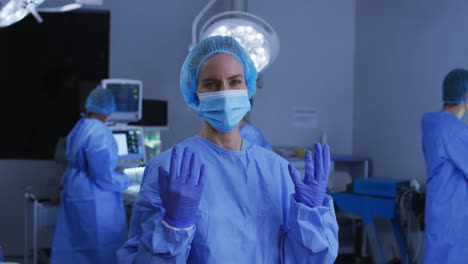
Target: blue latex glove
311	190
181	191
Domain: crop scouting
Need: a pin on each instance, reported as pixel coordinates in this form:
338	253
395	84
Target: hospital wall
403	51
315	69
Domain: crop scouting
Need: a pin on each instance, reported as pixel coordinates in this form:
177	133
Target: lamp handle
31	7
196	21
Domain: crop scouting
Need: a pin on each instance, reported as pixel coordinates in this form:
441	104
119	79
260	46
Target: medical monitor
128	99
130	146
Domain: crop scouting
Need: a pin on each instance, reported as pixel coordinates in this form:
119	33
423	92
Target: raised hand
311	190
181	190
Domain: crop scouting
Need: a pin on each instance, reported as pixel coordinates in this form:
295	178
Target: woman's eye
210	85
236	82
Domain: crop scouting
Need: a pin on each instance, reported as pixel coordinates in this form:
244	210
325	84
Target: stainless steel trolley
44	216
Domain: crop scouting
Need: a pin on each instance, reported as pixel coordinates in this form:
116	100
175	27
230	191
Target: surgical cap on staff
455	86
201	52
100	101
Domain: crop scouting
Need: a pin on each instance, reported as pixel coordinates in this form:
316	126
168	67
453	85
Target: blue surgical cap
100	101
455	86
201	52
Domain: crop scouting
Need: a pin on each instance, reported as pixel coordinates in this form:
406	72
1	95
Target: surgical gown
445	145
91	223
254	135
246	214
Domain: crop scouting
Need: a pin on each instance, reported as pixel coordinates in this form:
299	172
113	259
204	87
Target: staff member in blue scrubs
91	223
445	145
217	198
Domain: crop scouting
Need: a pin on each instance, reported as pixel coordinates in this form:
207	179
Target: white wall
315	68
403	51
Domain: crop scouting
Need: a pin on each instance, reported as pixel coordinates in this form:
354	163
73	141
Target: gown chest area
241	203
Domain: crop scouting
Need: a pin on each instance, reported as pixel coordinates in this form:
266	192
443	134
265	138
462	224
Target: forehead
221	65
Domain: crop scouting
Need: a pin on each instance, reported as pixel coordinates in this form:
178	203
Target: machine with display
136	126
128	99
130	143
130	140
132	158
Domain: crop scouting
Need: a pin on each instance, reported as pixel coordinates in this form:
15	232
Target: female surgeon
91	223
217	198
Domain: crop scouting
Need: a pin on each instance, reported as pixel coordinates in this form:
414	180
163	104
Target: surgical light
254	34
258	38
12	11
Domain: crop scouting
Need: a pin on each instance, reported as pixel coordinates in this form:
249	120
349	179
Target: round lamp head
255	35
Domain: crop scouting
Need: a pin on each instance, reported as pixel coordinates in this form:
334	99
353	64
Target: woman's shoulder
163	158
269	155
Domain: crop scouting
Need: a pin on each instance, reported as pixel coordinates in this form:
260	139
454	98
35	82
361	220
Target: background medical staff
445	146
252	134
216	198
91	224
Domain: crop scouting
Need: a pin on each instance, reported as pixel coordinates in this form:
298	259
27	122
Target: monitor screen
128	141
128	99
126	96
121	139
130	146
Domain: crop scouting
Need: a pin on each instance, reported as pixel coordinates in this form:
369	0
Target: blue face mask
224	109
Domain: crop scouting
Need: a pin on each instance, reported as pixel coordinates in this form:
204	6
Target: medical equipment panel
130	145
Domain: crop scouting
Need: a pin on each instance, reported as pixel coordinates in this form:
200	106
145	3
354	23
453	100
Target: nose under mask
224	109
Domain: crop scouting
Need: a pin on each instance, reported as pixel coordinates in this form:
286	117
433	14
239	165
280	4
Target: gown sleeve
151	241
102	163
457	150
311	235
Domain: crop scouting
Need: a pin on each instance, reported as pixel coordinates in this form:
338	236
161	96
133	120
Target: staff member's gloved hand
181	191
311	190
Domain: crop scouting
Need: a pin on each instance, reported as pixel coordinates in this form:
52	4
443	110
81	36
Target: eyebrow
235	76
209	80
215	80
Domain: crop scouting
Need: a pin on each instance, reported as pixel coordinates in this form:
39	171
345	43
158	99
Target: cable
407	215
